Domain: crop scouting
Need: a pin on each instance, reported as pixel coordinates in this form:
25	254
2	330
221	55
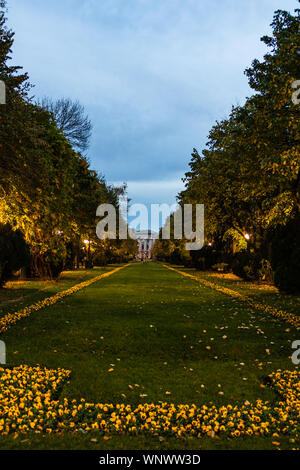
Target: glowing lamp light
247	236
86	242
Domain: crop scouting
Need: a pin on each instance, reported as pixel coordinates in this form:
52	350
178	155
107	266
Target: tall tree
277	118
71	119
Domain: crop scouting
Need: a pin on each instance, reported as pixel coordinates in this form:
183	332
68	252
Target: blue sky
153	75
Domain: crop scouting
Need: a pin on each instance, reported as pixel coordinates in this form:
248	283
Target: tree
248	176
15	116
70	118
14	253
277	117
47	190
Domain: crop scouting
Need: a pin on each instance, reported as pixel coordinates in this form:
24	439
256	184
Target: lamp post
88	245
247	238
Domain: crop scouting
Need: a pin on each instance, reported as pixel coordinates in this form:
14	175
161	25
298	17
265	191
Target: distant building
145	239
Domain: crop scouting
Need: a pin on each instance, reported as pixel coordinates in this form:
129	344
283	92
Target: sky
153	75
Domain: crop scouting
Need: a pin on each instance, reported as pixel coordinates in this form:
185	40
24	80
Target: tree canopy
248	176
48	192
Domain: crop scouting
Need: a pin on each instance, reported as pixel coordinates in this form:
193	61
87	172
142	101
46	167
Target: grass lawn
18	294
262	292
152	327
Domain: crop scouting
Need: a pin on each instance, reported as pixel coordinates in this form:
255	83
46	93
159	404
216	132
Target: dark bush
178	257
246	265
14	252
285	256
89	264
205	258
46	266
221	267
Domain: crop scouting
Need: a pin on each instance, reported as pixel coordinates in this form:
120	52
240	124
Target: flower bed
281	314
29	402
11	318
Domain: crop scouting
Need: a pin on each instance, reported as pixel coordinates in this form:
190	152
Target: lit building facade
145	239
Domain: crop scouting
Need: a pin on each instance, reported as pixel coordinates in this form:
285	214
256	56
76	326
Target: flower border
281	314
12	318
28	403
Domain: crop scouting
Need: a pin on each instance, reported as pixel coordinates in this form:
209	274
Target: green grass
262	292
147	323
19	294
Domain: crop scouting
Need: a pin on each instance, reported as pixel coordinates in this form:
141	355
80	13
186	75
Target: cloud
154	75
153	192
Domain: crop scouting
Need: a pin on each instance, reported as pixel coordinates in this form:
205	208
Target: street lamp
88	248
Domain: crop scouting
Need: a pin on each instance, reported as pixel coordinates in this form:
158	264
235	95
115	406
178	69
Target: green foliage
277	117
248	176
205	258
246	265
14	252
100	258
114	251
180	256
237	237
265	271
47	190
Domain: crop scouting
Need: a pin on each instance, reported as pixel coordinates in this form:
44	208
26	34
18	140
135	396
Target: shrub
89	264
265	271
14	252
246	265
99	258
205	258
221	267
179	257
285	256
48	264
